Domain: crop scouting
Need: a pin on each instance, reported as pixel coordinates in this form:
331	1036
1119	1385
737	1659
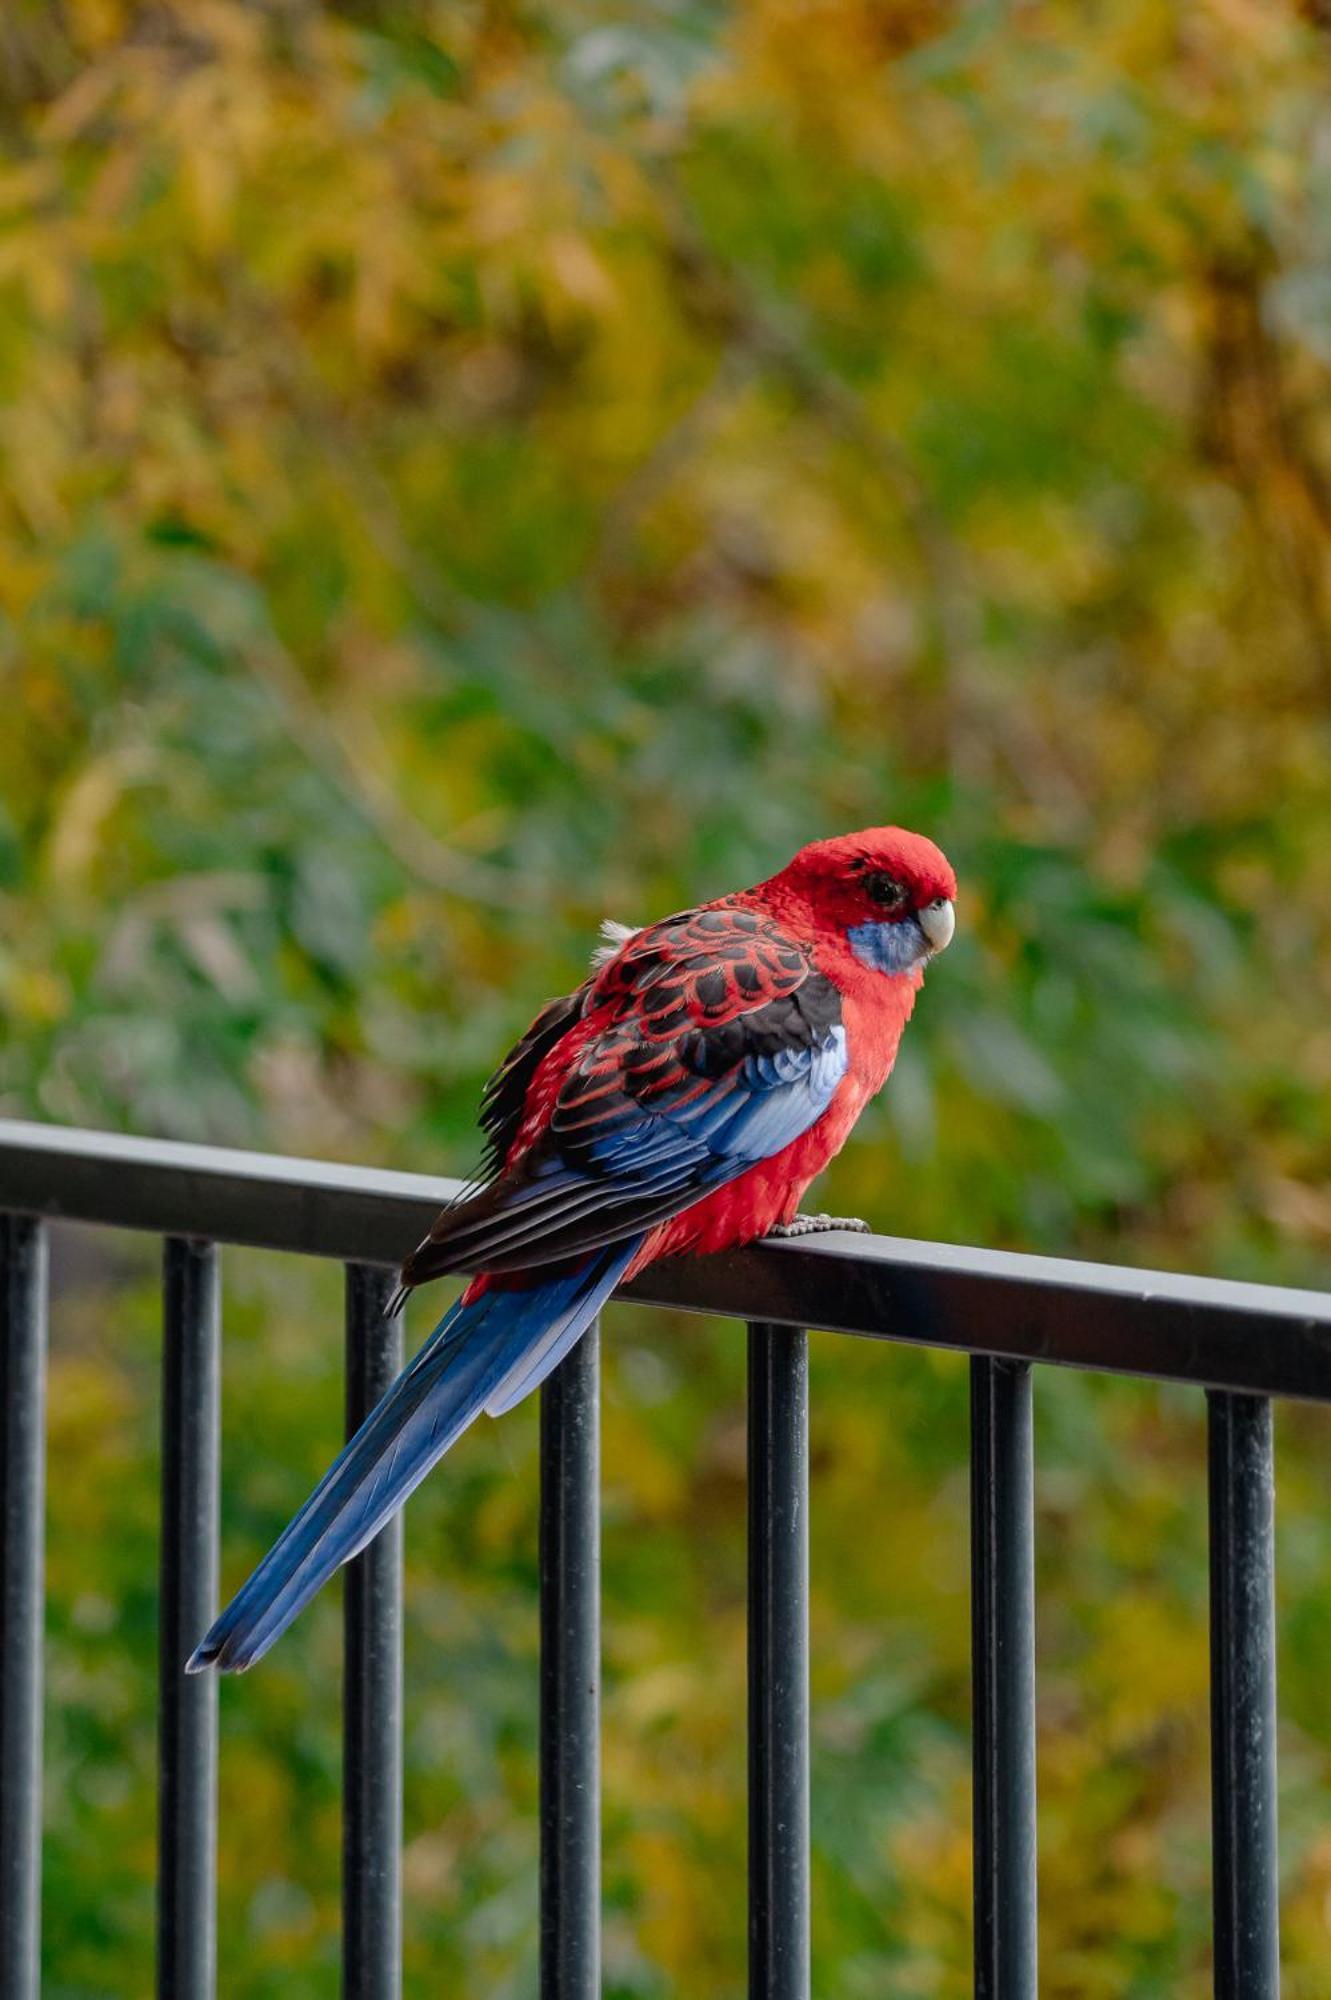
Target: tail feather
487	1354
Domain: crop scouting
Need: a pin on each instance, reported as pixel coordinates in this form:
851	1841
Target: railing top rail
1220	1332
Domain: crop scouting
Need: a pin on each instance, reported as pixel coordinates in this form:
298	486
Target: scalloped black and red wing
504	1099
701	969
710	1042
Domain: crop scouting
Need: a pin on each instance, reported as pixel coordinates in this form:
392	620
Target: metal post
372	1681
1003	1678
571	1677
23	1480
778	1663
187	1713
1243	1697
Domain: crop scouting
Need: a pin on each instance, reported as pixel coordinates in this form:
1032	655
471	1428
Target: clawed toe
816	1225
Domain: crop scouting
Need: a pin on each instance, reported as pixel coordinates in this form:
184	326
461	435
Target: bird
679	1102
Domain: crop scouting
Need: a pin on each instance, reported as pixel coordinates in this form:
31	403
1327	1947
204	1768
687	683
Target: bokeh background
473	468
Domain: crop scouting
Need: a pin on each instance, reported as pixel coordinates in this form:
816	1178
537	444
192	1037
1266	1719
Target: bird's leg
816	1225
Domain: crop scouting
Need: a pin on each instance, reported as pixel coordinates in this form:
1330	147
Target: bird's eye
884	890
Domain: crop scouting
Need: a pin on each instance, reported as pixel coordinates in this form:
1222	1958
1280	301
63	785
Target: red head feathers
890	893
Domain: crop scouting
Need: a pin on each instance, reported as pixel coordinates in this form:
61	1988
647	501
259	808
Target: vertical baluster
1003	1678
372	1682
187	1705
571	1677
1243	1697
778	1663
23	1532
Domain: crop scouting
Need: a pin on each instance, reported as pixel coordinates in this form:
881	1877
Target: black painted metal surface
22	1542
372	1681
570	1561
778	1663
1243	1698
187	1705
1003	1678
1261	1338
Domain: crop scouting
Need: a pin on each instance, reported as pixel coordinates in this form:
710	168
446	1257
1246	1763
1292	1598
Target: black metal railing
1242	1343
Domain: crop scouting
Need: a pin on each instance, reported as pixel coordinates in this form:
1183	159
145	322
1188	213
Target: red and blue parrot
681	1100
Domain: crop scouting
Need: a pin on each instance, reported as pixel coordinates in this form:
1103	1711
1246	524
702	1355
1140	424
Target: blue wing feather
754	1112
640	1158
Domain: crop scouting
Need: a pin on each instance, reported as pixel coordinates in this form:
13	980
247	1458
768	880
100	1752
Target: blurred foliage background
472	468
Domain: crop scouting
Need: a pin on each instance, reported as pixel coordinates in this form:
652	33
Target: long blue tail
483	1356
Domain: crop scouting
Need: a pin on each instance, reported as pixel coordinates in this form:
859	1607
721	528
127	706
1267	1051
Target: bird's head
889	892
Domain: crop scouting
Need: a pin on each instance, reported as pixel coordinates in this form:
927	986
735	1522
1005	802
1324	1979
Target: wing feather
706	1044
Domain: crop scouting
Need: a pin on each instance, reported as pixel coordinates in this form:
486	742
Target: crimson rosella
681	1100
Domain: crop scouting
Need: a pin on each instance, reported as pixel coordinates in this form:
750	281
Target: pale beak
938	921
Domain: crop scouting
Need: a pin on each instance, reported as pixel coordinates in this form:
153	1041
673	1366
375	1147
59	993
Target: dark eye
884	890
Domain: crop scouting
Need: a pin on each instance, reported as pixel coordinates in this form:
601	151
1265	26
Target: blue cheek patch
888	947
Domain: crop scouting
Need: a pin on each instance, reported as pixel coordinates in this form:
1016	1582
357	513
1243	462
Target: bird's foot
815	1225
